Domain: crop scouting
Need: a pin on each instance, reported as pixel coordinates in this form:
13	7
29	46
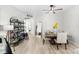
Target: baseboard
74	42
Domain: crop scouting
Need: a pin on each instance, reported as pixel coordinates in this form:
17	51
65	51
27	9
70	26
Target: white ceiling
36	9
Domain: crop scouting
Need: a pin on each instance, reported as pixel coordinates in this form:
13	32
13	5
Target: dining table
52	37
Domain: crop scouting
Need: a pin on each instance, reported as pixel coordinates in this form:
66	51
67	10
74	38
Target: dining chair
61	39
45	39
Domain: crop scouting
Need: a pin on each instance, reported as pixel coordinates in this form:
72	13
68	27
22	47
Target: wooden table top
50	35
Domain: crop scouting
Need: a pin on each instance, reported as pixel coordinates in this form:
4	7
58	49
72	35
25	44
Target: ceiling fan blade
45	10
58	9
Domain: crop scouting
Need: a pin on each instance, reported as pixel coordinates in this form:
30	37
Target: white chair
61	39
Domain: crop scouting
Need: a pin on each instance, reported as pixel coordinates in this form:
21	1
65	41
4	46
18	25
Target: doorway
39	29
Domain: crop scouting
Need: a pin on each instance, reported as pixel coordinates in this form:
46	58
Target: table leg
43	41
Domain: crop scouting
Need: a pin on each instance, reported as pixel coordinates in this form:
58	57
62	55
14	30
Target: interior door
39	28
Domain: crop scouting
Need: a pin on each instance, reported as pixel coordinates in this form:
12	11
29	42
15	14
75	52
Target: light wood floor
35	46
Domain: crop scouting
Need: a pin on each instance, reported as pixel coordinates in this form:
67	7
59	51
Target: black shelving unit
18	30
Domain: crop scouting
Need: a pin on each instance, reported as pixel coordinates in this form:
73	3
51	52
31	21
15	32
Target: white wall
6	12
71	22
49	19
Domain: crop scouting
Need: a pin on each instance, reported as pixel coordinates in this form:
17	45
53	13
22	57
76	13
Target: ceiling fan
53	9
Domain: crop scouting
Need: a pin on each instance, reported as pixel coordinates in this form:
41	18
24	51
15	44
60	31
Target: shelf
18	28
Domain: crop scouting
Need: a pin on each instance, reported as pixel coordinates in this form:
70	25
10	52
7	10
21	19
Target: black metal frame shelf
18	29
